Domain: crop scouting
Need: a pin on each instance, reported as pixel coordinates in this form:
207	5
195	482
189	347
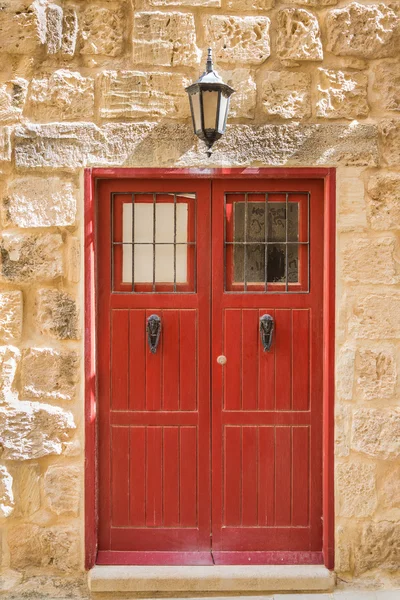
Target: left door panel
153	407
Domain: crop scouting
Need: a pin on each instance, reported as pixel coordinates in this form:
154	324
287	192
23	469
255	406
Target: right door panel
267	405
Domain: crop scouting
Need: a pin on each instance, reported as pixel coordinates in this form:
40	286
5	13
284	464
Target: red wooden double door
210	443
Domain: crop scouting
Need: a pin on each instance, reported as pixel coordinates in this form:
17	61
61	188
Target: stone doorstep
233	579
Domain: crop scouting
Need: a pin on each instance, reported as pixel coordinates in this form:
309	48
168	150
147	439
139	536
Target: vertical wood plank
283	363
301	359
154	372
120	476
266	371
154	477
137	472
171	360
283	476
137	359
171	476
119	359
250	470
250	337
233	352
188	477
266	476
301	476
232	476
188	359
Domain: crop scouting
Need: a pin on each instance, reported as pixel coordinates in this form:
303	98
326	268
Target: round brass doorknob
221	360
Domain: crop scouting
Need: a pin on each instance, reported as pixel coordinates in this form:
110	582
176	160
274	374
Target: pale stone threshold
219	578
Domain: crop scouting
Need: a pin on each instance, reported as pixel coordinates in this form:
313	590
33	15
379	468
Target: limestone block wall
101	83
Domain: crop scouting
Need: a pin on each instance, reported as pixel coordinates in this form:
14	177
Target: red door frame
329	177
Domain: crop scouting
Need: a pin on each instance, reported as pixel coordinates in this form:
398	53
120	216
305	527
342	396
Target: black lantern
209	103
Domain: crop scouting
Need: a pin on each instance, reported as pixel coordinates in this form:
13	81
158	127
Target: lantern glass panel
210	107
195	100
223	109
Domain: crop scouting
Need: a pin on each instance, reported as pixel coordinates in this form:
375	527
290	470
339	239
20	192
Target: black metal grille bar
245	242
174	242
154	241
133	245
286	239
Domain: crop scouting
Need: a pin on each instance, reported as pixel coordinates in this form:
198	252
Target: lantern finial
209	65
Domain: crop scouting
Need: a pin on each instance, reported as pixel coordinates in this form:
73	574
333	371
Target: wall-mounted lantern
209	103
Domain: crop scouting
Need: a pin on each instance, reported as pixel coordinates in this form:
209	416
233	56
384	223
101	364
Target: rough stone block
40	202
65	95
27	489
34	546
73	258
372	260
6	493
313	3
102	30
57	314
73	145
9	579
165	39
23	26
201	3
31	430
389	133
12	99
49	374
69	31
376	432
243	101
356	489
345	372
243	5
29	257
389	488
383	201
386	86
54	28
5	144
9	361
342	430
351	200
132	94
11	316
62	489
239	40
286	95
299	36
378	548
365	31
372	319
377	372
342	550
341	94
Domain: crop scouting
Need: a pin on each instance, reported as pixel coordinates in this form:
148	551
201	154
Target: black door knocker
153	329
266	331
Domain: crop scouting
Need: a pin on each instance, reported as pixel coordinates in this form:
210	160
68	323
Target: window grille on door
153	242
267	242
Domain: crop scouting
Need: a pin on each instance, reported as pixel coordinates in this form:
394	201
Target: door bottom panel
107	557
268	558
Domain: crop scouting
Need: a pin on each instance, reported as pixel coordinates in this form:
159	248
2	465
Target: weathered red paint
267	407
154	409
278	556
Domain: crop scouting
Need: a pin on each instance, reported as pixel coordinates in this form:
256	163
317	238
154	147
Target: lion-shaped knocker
153	329
266	331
